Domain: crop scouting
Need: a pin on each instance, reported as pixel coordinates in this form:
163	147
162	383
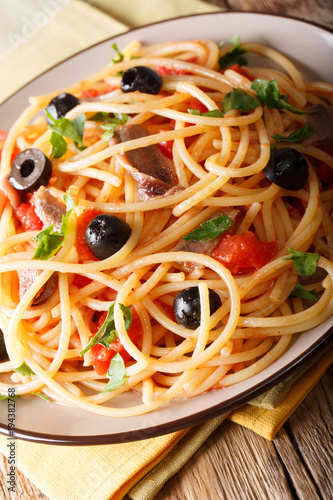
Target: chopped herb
115	374
24	369
42	396
101	116
3	397
304	263
48	242
235	55
72	129
298	135
303	293
268	93
215	113
239	99
107	333
119	119
119	54
210	229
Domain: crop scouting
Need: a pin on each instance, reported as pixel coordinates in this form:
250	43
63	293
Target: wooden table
235	463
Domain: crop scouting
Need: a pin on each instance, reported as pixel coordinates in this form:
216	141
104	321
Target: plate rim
320	346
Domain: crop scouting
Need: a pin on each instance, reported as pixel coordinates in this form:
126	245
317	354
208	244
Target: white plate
311	48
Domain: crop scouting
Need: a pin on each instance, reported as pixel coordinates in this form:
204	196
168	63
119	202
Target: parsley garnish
49	242
298	135
72	129
235	55
111	123
239	99
215	113
115	374
304	263
303	293
268	93
107	333
24	369
210	229
119	54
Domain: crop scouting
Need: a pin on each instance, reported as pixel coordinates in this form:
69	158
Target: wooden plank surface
235	463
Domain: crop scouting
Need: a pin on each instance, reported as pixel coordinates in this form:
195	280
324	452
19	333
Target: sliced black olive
61	104
186	306
141	78
47	291
288	169
30	170
106	234
3	350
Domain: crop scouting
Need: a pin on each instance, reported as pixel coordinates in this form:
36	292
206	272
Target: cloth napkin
140	468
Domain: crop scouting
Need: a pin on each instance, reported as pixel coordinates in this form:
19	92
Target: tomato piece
27	216
81	281
325	173
95	93
194	103
80	240
243	253
170	70
166	147
101	356
240	70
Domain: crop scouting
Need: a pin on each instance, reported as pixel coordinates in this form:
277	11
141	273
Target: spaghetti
206	288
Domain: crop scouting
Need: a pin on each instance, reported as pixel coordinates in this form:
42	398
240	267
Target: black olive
288	169
61	104
186	306
141	78
106	234
3	350
30	170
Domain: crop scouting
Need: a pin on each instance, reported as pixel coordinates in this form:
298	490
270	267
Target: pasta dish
166	226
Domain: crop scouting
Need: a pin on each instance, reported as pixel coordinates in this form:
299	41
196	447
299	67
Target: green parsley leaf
239	99
119	54
235	55
298	135
303	293
210	229
215	113
107	333
72	129
119	119
42	396
59	145
48	242
268	93
115	374
101	116
304	263
3	397
24	369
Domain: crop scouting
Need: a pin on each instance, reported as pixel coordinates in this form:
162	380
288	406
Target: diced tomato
81	281
89	93
243	253
27	216
240	70
325	173
80	241
166	147
95	93
3	137
101	356
170	70
194	103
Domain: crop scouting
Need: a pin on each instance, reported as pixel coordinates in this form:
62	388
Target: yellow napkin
62	28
